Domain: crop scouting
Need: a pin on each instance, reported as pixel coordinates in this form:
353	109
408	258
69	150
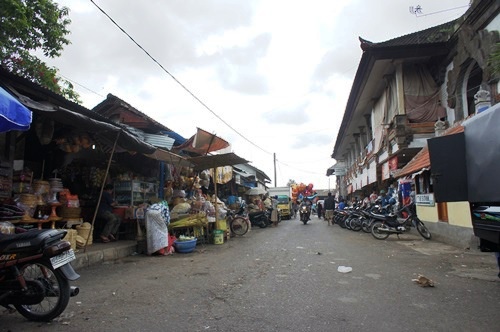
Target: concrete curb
99	253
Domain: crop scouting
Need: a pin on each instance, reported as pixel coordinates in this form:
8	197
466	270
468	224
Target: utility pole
274	159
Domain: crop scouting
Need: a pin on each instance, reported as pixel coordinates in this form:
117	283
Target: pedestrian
105	213
319	209
373	196
274	211
329	207
295	208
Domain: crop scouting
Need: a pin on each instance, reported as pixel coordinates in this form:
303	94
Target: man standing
329	207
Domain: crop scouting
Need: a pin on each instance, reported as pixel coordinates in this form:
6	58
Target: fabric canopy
169	158
207	162
202	143
13	114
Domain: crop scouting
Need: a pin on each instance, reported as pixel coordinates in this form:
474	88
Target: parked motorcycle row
381	221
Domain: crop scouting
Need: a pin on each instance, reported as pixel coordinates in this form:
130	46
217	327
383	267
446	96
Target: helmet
382	191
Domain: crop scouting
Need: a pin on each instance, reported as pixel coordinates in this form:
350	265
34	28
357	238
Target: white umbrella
255	191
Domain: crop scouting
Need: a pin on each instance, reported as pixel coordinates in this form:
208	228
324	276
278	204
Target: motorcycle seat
28	240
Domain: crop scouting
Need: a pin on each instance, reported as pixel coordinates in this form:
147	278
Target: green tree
28	27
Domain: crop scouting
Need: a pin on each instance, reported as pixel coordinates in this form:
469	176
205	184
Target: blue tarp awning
13	114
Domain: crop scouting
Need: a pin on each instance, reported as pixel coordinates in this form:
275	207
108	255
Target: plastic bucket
218	236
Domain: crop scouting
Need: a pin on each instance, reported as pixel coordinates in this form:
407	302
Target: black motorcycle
385	225
35	271
305	213
261	219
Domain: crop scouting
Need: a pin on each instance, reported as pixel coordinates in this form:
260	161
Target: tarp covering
207	162
106	131
202	143
482	146
13	114
421	95
169	158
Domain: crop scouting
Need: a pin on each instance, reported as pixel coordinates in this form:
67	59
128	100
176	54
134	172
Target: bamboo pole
102	189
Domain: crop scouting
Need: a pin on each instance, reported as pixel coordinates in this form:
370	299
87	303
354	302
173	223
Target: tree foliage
28	27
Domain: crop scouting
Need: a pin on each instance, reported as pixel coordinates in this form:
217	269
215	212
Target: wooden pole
102	189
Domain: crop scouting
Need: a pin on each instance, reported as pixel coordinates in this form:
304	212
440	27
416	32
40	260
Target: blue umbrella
13	114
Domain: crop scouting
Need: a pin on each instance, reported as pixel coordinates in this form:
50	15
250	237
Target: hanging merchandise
44	129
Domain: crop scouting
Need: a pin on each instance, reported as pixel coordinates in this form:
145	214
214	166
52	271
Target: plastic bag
344	269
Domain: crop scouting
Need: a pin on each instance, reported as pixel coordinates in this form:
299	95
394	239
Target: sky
273	76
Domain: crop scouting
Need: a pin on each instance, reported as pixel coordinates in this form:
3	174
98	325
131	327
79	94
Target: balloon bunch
299	191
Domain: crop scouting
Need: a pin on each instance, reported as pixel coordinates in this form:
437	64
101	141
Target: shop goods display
192	220
11	213
185	244
56	187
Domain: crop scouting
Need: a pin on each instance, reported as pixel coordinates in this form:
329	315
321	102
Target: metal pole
274	159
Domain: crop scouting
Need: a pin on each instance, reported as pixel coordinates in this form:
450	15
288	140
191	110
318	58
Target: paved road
286	279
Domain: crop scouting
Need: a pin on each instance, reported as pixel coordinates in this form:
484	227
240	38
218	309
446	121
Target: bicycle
239	224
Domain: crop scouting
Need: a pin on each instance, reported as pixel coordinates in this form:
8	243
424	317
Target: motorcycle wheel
355	224
262	223
239	226
377	233
56	288
366	226
422	229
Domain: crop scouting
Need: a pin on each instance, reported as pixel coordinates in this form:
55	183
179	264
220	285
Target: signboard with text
425	199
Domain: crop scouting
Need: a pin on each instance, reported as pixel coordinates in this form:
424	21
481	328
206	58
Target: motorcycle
35	271
385	225
305	212
261	219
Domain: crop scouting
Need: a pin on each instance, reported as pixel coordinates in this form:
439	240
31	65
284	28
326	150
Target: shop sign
425	199
339	171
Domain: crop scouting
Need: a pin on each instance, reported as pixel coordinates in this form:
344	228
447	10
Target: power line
177	81
81	85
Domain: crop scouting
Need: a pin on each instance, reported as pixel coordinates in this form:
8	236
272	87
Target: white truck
284	195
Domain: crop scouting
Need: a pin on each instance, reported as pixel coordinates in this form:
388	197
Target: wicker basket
70	212
71	237
85	230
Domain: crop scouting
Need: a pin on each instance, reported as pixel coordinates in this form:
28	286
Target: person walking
319	209
329	207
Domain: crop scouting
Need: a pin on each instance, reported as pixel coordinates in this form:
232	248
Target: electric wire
177	81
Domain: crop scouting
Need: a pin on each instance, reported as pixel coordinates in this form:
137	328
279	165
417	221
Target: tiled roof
437	34
421	159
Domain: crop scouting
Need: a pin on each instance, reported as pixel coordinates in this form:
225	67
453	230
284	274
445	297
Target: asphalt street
287	279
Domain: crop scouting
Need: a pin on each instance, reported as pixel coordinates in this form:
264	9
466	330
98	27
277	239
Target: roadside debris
344	269
423	281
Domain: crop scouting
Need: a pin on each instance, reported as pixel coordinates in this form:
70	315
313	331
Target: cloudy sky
274	75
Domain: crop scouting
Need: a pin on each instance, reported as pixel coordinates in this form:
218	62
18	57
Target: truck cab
285	206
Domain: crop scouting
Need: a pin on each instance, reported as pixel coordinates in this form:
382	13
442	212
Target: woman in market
105	212
156	222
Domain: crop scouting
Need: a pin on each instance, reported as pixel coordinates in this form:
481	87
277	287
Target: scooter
35	271
305	212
